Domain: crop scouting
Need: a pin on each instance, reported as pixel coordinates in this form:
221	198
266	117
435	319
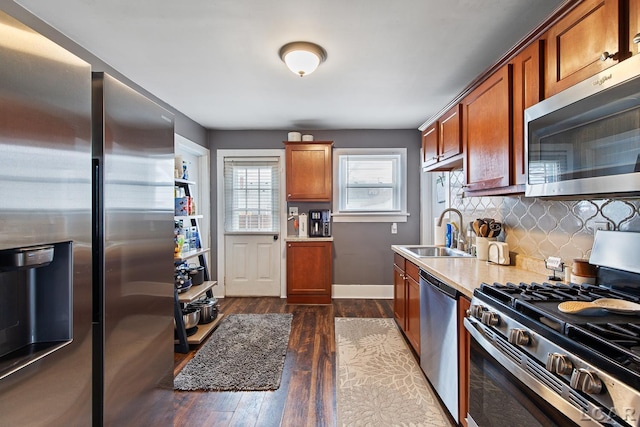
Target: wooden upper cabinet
527	91
308	171
487	132
576	44
442	141
430	144
634	26
450	133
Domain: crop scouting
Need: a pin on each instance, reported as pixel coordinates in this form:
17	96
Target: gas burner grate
550	292
618	341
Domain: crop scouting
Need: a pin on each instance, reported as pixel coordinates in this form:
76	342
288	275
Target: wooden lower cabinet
309	272
406	299
413	305
464	350
399	291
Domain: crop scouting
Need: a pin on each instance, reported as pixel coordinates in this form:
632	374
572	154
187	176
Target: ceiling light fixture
302	57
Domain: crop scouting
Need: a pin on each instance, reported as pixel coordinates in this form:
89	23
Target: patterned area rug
246	352
379	382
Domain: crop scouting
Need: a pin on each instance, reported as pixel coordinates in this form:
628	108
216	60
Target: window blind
252	195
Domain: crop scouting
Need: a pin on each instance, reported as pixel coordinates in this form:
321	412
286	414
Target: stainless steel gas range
533	364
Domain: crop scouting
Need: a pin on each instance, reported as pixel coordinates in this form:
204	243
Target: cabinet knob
606	55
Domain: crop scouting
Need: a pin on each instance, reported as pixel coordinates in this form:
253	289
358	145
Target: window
251	191
370	185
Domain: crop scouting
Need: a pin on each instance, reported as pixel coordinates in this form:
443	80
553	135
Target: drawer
399	261
413	271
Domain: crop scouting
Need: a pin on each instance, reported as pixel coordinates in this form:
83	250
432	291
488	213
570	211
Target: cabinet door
308	171
450	134
634	27
309	272
527	89
577	42
413	307
464	351
399	299
487	132
430	142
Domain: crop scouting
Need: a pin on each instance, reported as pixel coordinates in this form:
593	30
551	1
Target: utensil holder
482	247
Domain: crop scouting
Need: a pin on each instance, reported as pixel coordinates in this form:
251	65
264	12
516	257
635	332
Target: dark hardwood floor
306	396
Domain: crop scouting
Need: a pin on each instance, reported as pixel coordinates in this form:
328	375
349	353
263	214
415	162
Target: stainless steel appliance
439	339
534	364
86	251
320	223
45	201
586	139
133	257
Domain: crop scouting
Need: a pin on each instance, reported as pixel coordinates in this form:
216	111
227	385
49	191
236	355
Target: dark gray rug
246	352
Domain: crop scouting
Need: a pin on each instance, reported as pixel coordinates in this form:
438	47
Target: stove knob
585	381
559	364
476	311
519	337
489	318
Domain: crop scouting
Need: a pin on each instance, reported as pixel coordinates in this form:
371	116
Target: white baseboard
362	291
346	292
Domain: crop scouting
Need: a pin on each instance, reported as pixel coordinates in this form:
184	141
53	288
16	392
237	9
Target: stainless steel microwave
586	139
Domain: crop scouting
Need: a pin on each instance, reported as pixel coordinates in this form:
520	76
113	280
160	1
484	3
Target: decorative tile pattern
540	228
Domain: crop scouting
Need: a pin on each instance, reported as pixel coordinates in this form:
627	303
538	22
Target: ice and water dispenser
35	303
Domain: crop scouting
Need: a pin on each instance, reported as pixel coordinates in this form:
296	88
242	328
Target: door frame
220	155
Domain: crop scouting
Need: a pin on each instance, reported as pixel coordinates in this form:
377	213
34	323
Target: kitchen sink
435	251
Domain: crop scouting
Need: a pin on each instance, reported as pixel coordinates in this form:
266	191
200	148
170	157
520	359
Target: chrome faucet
461	243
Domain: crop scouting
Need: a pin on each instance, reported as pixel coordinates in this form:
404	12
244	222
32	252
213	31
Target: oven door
501	393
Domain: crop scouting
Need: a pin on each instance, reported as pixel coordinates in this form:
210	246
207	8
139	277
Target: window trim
379	216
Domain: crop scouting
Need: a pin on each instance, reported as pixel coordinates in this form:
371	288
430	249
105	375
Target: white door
252	265
252	245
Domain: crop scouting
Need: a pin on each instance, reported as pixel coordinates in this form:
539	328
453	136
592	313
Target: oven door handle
578	415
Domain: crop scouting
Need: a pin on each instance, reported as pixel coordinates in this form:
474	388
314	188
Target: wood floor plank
248	410
306	396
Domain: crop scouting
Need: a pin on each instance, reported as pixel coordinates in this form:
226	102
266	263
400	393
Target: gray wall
362	251
183	124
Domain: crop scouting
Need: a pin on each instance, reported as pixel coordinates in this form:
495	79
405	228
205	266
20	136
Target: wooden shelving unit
183	341
203	329
191	254
195	291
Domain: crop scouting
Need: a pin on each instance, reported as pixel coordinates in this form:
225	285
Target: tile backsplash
539	228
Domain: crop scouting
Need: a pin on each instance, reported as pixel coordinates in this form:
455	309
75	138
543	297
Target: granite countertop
466	274
307	239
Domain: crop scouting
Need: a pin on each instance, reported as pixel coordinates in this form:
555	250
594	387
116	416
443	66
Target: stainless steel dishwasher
439	338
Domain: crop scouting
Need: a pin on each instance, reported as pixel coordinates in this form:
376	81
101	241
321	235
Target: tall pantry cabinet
309	260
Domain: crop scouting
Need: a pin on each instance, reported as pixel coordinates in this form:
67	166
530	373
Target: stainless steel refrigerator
86	294
133	257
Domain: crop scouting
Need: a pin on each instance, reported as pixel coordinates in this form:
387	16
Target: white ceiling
391	64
